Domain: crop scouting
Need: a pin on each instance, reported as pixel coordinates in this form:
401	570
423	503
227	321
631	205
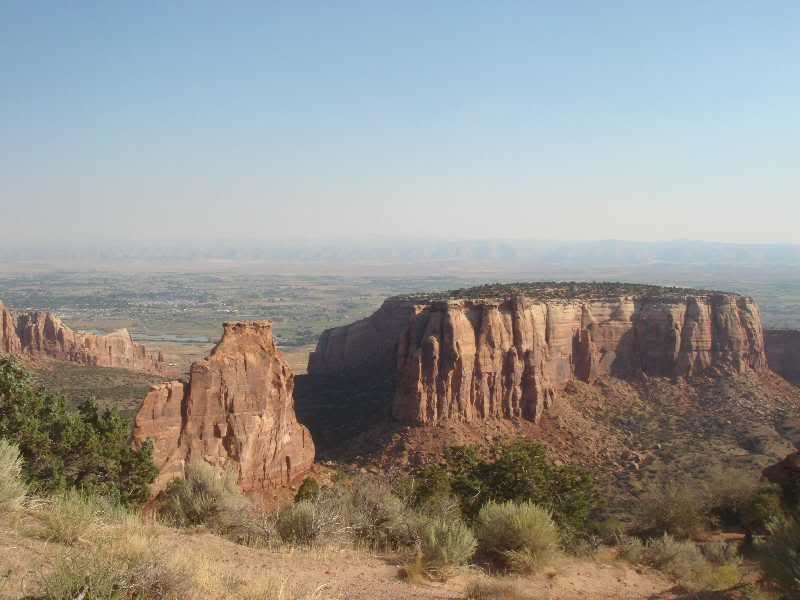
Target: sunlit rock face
41	333
235	412
509	357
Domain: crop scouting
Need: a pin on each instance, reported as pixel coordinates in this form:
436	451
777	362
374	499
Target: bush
779	555
207	497
684	561
68	518
12	488
675	509
308	490
741	501
521	472
62	447
325	519
379	518
445	544
516	537
102	574
297	523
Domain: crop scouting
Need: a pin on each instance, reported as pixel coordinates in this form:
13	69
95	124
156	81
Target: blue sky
558	120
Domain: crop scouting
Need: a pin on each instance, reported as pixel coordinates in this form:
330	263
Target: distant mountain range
531	253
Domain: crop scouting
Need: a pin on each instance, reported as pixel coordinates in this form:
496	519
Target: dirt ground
337	573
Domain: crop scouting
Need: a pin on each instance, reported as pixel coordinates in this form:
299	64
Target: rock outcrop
783	352
236	411
41	333
475	357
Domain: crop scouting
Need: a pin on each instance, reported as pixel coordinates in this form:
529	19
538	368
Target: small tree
308	490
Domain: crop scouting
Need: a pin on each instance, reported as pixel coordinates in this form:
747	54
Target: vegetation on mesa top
557	290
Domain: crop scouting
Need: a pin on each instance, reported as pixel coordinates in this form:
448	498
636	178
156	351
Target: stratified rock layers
476	359
42	333
236	412
783	352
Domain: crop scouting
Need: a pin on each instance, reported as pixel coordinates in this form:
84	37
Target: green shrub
297	523
779	555
431	488
684	561
516	537
308	490
207	497
521	472
68	518
325	519
738	500
445	544
12	488
676	509
101	574
379	518
62	447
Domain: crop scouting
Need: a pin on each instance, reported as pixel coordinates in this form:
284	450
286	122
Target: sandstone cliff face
472	359
783	352
9	340
368	342
236	412
42	333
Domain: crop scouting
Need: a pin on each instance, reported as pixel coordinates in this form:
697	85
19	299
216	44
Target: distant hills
532	253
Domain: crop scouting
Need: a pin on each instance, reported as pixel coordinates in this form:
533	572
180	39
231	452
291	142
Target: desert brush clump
675	508
205	496
379	518
716	568
308	490
67	518
104	573
12	487
518	537
494	589
779	555
444	545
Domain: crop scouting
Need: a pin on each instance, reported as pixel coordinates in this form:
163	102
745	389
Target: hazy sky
570	120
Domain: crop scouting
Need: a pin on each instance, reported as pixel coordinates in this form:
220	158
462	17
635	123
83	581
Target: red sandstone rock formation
783	352
471	359
42	333
9	340
236	411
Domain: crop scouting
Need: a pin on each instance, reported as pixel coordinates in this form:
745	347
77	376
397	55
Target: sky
459	120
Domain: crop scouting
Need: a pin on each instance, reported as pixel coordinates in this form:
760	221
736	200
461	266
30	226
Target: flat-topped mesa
507	351
235	412
41	333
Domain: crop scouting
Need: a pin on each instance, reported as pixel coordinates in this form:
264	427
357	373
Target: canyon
235	412
42	334
509	351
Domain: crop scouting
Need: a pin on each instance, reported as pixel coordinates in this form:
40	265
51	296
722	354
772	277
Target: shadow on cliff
348	415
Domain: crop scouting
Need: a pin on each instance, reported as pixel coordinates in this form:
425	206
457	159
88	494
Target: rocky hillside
235	411
42	334
509	350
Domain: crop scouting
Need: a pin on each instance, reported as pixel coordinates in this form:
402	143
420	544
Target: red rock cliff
783	352
507	357
236	411
41	333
